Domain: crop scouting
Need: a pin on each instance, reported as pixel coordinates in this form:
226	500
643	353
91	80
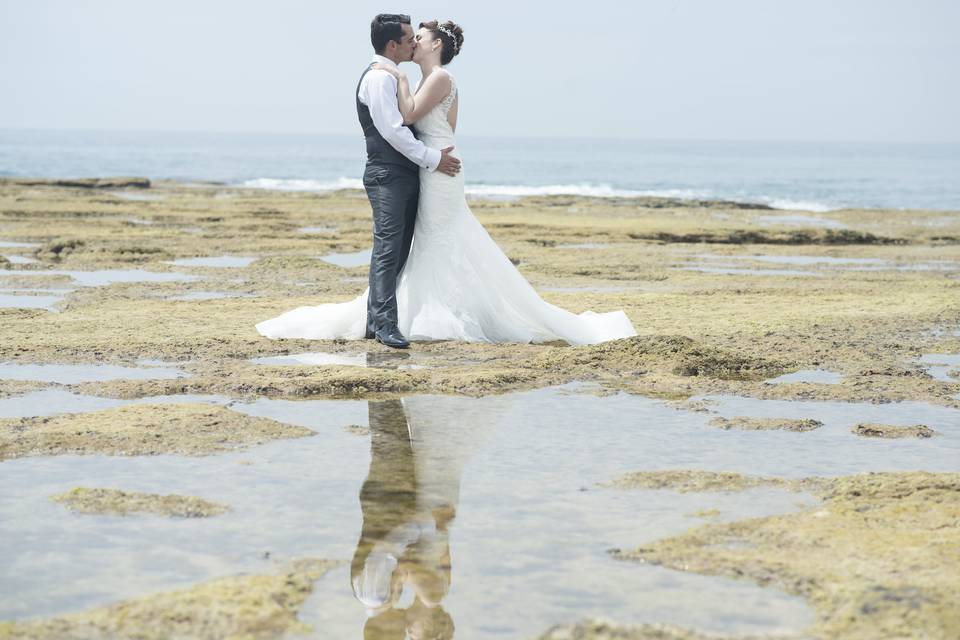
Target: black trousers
394	193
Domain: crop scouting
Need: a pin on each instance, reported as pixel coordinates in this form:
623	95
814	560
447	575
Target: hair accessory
456	47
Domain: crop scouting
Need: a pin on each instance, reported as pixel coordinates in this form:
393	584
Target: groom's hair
386	27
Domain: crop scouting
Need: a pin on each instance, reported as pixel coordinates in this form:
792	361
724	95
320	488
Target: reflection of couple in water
409	500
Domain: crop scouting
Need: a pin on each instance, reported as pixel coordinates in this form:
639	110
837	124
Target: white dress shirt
378	91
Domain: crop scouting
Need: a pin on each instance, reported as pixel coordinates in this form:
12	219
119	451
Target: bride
457	284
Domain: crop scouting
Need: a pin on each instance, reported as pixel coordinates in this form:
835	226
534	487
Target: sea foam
502	190
519	191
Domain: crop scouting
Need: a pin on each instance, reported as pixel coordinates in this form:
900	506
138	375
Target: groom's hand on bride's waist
448	164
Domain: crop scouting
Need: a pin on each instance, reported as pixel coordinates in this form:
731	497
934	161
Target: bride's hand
389	69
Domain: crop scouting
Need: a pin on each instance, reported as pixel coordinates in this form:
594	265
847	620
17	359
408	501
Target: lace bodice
433	128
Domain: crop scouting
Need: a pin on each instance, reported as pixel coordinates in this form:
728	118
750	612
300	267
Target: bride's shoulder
439	83
443	76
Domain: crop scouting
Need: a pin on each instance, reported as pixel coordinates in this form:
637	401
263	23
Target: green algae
877	559
744	423
9	388
105	501
751	236
239	607
873	430
191	429
701	333
685	481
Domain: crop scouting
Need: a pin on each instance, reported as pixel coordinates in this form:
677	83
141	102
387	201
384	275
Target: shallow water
847	264
29	302
750	272
76	373
915	266
940	365
215	261
44	290
832	449
388	360
799	260
489	506
585	245
7	244
315	359
15	259
349	260
54	401
104	277
494	497
818	376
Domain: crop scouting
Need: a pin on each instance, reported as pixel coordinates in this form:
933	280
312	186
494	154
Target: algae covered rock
686	481
878	559
59	249
765	424
81	183
680	355
118	502
191	429
869	430
244	606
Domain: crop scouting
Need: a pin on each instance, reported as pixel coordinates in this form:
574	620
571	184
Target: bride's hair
450	34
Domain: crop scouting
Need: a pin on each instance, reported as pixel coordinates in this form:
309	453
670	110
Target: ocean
788	175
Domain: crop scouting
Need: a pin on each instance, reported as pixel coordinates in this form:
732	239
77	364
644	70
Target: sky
818	70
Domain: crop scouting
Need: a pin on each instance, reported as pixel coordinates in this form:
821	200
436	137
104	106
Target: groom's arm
380	96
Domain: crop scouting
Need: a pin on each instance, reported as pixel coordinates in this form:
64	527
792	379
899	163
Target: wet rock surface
685	481
17	387
118	502
139	430
848	556
891	431
765	424
82	183
700	332
245	606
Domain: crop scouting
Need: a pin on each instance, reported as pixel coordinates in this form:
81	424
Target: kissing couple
435	272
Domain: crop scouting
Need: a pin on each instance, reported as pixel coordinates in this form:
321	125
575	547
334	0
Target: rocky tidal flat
549	484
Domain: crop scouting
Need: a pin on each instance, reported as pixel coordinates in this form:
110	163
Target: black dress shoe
392	338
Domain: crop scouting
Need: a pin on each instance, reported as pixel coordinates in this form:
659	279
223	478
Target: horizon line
474	136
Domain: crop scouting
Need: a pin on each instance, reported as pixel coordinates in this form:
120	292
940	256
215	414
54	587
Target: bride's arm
431	92
404	98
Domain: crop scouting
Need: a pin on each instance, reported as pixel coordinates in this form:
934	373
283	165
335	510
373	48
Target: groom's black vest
379	150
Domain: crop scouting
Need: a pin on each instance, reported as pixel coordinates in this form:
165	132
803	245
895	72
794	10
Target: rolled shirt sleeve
379	93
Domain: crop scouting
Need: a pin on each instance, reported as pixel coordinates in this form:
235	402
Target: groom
391	177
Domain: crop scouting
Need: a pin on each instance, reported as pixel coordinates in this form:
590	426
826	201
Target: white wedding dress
457	284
